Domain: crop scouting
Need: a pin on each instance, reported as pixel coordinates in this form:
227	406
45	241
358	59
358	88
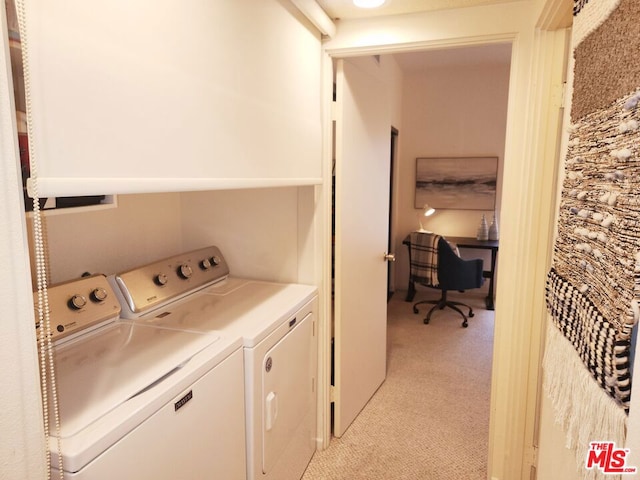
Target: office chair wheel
415	310
471	314
465	324
426	321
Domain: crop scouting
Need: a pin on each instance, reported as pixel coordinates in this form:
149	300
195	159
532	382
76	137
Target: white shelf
109	202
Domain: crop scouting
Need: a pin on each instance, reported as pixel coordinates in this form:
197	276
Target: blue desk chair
435	264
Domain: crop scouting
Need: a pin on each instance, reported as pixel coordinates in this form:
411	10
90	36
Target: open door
362	222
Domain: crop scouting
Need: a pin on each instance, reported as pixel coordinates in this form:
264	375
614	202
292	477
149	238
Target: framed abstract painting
464	183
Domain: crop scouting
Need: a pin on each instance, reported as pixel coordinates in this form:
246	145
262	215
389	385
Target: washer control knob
215	261
98	295
185	271
77	302
161	279
205	264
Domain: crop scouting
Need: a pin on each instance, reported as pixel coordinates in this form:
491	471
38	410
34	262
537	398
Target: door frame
526	246
393	157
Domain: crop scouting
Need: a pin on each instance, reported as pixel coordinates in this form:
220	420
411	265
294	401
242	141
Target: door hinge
332	393
531	456
559	94
334	111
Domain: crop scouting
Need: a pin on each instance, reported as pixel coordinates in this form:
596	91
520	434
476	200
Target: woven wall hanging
594	283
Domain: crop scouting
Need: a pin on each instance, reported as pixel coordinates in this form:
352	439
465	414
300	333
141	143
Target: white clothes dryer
278	326
280	352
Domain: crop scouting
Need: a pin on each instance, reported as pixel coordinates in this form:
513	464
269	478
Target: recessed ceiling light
368	3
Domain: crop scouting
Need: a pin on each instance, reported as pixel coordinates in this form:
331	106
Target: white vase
483	229
493	229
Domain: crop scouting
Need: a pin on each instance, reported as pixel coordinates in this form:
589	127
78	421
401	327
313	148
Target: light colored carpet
430	418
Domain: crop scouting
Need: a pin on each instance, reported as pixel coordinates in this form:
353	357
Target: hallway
430	418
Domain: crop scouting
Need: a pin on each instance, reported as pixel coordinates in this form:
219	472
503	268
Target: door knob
389	257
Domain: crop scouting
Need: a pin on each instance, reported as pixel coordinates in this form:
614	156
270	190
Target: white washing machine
278	328
138	401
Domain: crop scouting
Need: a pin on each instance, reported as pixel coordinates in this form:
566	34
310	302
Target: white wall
555	460
256	230
454	112
395	81
141	229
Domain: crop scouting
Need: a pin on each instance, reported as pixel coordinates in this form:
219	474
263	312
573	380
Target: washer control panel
150	286
78	305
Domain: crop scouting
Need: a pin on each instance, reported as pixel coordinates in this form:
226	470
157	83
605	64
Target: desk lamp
427	211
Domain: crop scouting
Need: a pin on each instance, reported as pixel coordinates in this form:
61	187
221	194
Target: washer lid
98	372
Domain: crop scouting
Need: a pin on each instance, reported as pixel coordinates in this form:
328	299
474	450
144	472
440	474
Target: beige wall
448	111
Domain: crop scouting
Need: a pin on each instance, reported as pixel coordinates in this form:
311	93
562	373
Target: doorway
537	55
438	120
450	130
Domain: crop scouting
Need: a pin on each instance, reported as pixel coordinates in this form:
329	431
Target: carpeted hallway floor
430	418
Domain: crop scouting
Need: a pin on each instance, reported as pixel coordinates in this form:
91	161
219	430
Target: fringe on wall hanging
593	286
579	406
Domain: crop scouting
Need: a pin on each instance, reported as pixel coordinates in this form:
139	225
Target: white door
363	129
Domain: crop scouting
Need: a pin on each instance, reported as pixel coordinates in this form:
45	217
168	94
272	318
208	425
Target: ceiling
423	60
344	9
420	61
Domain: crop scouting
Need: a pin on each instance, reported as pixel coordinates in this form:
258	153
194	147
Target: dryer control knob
161	279
185	271
215	261
77	302
98	295
205	264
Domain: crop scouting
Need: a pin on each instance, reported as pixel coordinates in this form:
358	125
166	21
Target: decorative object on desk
483	229
493	229
467	183
593	287
426	211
